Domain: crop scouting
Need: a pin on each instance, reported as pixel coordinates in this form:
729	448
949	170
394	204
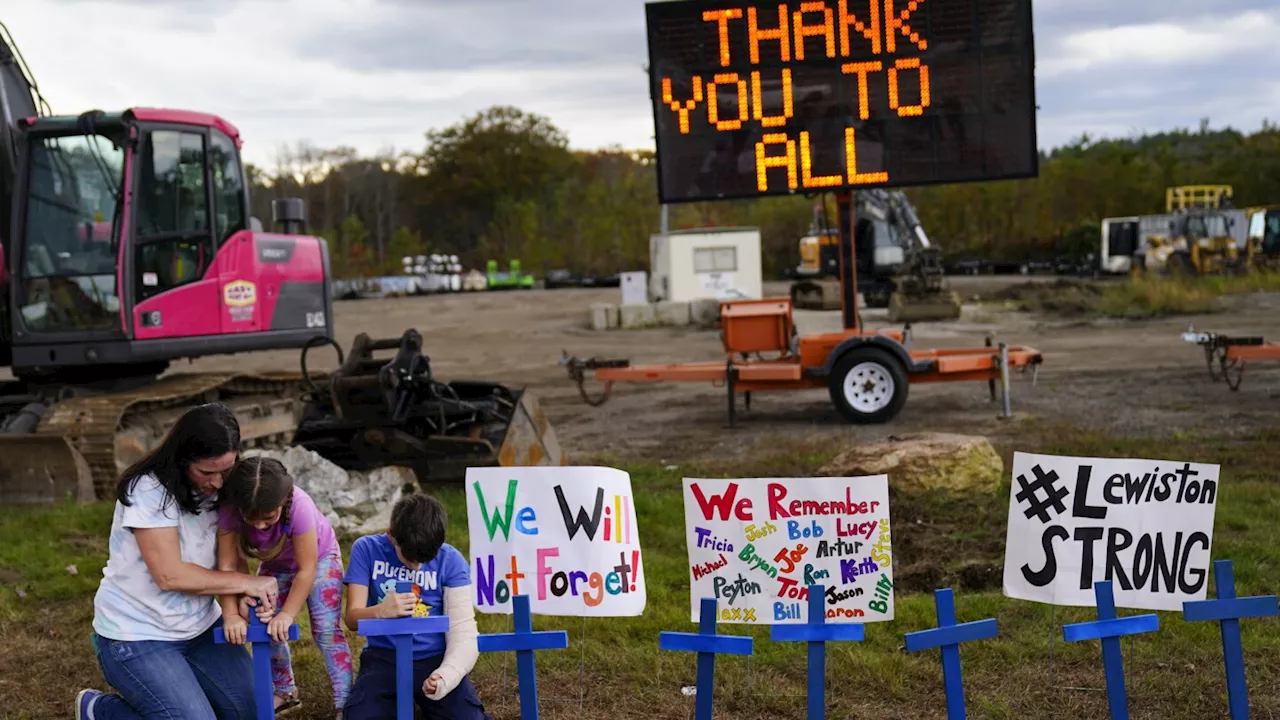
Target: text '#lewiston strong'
1162	561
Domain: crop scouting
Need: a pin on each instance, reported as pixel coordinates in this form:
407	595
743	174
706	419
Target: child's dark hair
255	487
418	523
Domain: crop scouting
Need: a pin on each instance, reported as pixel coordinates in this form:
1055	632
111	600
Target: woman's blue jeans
195	679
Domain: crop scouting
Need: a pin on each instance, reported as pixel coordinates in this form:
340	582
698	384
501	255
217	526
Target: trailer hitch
578	367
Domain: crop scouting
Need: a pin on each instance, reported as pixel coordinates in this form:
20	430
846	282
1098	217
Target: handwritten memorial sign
564	536
756	545
1145	525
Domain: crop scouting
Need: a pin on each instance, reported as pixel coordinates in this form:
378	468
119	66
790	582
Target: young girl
265	517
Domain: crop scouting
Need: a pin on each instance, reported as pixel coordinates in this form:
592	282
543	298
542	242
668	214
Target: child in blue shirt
413	551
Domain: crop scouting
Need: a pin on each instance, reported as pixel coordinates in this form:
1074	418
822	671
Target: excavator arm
19	98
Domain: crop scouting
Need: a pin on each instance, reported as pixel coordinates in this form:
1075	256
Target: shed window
715	259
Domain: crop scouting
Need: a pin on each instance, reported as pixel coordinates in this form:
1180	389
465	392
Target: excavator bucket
905	308
378	412
529	438
42	469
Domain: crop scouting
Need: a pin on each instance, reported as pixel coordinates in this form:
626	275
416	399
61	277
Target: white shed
720	263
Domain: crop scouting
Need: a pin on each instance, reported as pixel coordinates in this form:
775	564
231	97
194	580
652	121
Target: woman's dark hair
418	524
203	432
256	487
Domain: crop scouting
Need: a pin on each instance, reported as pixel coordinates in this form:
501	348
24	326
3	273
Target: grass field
613	667
1141	297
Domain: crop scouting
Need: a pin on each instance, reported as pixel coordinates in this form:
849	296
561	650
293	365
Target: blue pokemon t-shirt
374	564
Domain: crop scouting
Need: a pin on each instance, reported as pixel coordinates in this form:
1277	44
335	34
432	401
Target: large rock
355	502
925	461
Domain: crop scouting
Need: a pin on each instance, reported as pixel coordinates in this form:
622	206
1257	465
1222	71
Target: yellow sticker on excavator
239	293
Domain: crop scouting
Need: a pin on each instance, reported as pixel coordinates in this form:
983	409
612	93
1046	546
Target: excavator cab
130	245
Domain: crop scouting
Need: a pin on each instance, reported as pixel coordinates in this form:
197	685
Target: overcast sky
378	73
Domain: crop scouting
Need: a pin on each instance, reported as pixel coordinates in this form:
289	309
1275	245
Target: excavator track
111	431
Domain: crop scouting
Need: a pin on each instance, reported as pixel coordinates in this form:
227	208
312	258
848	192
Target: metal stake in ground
402	631
707	644
523	642
1110	629
1227	610
817	633
948	636
263	696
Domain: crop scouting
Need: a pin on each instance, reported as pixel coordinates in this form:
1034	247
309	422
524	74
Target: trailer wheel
868	386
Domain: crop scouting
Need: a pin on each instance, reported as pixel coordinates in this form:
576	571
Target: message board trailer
564	536
757	545
745	94
1144	525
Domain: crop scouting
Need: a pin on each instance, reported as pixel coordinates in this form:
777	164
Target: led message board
767	98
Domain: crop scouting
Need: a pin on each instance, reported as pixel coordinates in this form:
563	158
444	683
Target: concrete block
704	312
631	317
667	312
604	316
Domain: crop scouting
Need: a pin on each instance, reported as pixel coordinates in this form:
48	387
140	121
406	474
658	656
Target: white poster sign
564	536
756	545
1145	525
718	284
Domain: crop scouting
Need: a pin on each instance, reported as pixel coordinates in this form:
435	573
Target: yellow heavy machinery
1263	238
897	268
1199	238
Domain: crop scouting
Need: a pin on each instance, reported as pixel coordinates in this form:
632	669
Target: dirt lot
1135	378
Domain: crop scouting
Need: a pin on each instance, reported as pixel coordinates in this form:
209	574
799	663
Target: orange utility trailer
1226	356
866	372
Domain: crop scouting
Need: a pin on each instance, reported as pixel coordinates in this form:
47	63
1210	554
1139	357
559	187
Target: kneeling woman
156	607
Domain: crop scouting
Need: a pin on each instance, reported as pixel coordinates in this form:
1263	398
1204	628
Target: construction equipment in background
897	266
373	412
513	279
1263	237
1198	238
118	258
865	372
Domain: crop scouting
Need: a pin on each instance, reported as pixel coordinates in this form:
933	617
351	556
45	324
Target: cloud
1126	79
1206	40
510	34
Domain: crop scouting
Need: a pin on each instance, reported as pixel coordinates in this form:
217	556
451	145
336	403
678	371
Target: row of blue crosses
1227	609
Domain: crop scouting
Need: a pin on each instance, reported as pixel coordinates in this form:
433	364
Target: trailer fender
886	343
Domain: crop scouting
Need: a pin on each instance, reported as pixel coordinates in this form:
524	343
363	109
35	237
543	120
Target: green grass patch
613	666
1141	297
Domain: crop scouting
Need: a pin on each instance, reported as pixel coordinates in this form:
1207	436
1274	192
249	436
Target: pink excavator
126	244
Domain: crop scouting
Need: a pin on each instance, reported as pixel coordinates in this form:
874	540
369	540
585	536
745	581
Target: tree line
504	184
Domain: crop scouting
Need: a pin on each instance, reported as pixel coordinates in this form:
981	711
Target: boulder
355	502
925	461
704	312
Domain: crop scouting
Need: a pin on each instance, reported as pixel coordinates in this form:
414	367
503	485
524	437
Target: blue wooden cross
402	631
524	641
263	690
948	636
1109	629
1227	610
817	633
707	644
